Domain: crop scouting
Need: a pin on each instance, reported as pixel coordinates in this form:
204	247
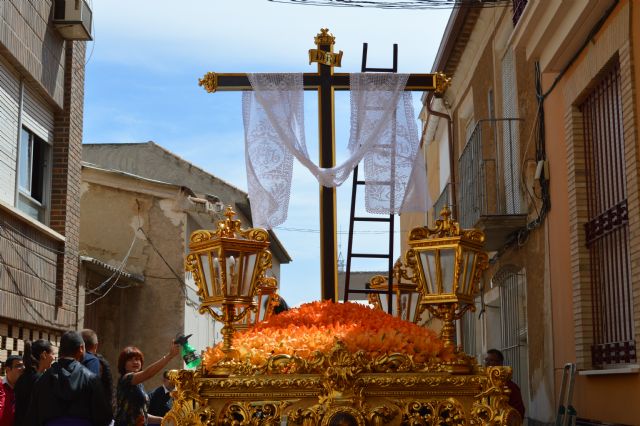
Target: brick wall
33	46
611	41
65	181
38	277
14	334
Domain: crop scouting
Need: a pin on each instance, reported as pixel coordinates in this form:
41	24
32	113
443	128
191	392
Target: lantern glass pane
207	273
447	264
217	278
469	257
248	266
411	304
428	262
263	303
384	304
232	276
405	307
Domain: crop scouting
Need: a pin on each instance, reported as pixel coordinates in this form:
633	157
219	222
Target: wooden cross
325	81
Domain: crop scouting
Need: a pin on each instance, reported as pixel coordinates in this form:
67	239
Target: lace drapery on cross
383	132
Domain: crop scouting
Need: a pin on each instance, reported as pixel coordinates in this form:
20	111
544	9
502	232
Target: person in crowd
495	358
97	364
13	369
131	400
281	306
90	359
67	393
38	356
160	398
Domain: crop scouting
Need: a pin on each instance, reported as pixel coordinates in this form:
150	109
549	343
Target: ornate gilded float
358	369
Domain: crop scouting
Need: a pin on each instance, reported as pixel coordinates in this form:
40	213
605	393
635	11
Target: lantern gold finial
229	227
446	228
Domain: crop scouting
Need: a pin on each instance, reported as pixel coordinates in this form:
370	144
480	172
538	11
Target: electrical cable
183	284
27	303
401	4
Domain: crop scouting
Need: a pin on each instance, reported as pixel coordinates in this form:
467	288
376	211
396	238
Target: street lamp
228	266
405	296
449	262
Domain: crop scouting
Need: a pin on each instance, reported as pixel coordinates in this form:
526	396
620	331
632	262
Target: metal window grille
469	332
513	315
518	8
607	231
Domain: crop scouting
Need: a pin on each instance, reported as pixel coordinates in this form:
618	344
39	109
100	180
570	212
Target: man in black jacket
68	393
160	401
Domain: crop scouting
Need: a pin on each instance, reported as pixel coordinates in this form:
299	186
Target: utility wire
30	309
401	4
183	284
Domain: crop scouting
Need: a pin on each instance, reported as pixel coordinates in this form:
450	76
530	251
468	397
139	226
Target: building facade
543	112
134	237
41	112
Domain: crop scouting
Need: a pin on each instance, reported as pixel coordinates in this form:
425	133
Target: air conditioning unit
72	19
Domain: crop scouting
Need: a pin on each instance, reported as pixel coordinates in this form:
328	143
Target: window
510	137
512	283
607	228
33	175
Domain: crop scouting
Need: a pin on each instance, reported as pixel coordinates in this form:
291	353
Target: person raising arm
132	401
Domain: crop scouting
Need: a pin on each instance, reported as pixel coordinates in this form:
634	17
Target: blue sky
141	85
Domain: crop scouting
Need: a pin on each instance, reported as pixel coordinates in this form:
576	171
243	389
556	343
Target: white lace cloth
383	132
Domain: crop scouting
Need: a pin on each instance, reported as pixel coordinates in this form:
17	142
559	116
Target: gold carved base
342	389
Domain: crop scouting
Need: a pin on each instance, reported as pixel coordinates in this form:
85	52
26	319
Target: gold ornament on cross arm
209	82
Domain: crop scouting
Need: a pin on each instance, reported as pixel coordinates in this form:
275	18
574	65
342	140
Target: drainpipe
452	170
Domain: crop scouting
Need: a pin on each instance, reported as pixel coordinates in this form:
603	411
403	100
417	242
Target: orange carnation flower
316	326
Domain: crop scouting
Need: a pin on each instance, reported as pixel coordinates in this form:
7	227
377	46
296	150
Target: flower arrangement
317	326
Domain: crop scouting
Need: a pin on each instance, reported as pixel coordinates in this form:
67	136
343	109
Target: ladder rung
371	255
378	70
372	219
369	291
373	182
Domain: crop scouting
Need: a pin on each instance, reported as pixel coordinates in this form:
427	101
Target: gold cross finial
324	37
324	55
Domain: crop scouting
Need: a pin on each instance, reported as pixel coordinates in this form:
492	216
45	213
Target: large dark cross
325	81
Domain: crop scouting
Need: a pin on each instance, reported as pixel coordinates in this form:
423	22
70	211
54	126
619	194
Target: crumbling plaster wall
150	314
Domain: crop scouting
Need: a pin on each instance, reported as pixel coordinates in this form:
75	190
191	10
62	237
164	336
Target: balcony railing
489	177
443	200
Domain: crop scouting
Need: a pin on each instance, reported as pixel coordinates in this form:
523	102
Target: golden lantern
405	296
228	266
448	262
265	301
